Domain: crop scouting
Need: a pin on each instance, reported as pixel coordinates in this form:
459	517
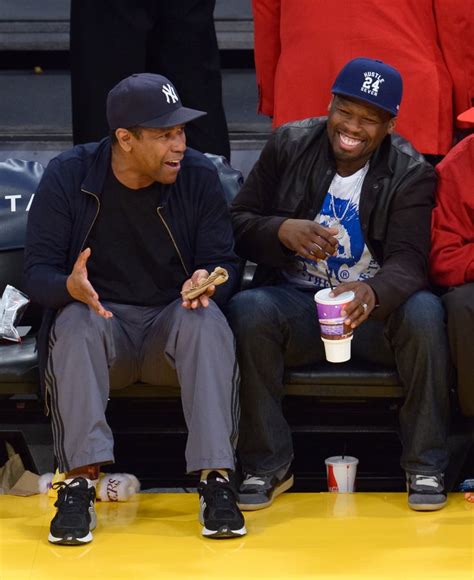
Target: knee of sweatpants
459	302
250	311
77	319
421	317
200	320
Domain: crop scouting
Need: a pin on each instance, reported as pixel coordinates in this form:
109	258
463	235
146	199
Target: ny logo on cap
371	84
169	93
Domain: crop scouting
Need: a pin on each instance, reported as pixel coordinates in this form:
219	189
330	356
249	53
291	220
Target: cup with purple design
335	334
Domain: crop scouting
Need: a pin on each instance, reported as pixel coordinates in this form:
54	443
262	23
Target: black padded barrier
18	364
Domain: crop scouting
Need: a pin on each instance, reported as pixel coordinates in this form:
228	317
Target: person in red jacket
452	256
455	25
300	46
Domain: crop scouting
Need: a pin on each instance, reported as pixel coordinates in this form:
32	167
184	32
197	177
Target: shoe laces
73	497
427	484
428	480
218	493
254	479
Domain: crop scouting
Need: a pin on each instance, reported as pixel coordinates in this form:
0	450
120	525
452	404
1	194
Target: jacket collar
97	172
380	160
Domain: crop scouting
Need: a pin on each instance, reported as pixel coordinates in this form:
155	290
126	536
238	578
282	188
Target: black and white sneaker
258	491
219	513
426	492
75	517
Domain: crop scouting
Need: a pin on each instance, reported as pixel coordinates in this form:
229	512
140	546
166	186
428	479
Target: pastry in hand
218	276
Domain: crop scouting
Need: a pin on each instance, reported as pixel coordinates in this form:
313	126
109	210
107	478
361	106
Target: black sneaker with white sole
258	491
426	492
219	513
75	517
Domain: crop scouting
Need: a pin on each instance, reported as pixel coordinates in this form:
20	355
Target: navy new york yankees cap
147	100
372	81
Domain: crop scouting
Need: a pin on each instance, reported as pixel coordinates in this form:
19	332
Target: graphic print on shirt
352	260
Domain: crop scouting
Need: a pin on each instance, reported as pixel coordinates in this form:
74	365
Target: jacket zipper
95	217
47	393
172	239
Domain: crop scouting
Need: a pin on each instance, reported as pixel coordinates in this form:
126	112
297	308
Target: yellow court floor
306	535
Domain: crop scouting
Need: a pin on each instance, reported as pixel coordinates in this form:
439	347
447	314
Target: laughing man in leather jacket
346	196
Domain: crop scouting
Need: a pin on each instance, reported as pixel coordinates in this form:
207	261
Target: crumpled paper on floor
14	478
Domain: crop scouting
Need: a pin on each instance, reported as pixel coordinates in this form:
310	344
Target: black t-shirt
133	258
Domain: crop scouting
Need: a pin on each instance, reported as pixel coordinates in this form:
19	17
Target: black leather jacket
291	179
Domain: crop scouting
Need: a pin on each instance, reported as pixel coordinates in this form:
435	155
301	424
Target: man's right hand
81	289
308	239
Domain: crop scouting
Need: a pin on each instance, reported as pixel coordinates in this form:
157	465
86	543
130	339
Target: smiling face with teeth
355	130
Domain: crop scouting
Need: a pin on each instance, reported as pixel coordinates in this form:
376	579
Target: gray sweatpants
88	355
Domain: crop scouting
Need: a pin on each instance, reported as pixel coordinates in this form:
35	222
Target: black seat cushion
348	373
18	362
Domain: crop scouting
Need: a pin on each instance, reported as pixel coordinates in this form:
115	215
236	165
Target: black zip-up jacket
67	203
291	179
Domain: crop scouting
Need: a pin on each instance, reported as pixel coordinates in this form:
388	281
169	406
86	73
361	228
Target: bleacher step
37	106
44	26
35	117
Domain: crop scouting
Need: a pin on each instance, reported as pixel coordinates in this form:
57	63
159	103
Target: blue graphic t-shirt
352	260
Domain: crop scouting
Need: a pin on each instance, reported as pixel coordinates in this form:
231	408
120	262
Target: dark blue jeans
277	327
459	304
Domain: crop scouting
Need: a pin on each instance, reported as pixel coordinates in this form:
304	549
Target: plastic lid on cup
322	296
343	459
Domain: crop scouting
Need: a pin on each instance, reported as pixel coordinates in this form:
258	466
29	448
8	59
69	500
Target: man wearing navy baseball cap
340	201
119	230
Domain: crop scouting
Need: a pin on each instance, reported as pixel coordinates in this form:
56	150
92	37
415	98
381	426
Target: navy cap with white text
147	100
372	81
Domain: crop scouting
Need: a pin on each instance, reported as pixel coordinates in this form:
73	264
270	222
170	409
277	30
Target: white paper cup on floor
341	473
335	334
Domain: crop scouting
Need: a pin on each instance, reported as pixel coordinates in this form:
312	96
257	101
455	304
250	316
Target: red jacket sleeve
266	15
452	237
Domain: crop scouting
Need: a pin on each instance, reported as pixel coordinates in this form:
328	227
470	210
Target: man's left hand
203	299
364	302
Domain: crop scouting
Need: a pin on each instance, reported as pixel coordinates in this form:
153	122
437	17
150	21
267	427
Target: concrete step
35	117
38	106
44	26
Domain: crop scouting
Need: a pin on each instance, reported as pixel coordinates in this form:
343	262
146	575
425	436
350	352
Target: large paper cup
341	473
335	334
